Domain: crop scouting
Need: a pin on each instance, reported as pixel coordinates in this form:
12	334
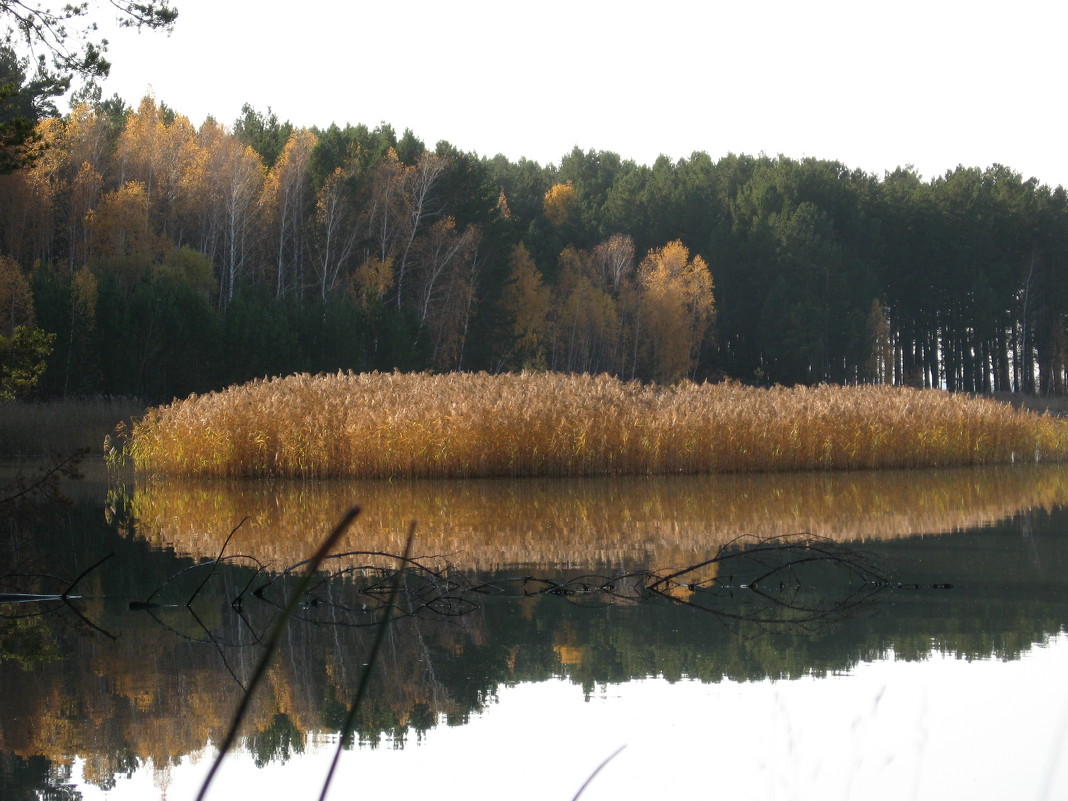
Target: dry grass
61	426
535	424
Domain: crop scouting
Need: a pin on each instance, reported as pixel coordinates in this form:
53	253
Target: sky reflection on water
941	728
900	698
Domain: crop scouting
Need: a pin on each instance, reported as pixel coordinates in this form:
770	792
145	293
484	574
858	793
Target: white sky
933	83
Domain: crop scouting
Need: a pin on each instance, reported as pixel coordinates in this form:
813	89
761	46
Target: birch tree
285	204
241	183
677	308
446	277
613	260
336	231
418	205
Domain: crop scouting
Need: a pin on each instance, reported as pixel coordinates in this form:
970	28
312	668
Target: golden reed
393	425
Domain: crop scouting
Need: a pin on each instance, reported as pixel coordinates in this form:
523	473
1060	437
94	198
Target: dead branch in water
797	580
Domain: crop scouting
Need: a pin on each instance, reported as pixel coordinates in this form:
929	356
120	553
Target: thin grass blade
272	644
365	679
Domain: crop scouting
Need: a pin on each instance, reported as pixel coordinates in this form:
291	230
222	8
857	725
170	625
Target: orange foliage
677	307
121	239
526	303
557	203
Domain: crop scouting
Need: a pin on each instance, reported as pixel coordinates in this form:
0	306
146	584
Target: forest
143	256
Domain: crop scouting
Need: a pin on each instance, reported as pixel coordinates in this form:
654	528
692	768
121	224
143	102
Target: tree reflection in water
170	681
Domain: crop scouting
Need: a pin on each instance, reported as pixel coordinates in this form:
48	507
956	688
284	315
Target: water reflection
888	730
166	686
655	521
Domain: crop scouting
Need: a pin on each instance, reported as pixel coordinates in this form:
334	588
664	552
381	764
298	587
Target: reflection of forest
658	521
164	688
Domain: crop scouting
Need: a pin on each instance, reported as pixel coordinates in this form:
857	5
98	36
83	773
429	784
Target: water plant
383	425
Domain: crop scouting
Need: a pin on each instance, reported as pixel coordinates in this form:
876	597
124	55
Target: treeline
168	258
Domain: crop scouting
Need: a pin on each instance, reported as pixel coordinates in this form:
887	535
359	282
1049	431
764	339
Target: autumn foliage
143	200
221	253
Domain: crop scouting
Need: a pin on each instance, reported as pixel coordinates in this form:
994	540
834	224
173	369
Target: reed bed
393	425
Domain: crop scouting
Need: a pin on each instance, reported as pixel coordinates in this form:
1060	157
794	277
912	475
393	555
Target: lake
906	638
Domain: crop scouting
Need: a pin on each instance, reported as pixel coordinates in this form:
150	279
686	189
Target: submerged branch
218	559
792	580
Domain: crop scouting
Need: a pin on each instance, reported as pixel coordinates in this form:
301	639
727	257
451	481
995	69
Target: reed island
468	425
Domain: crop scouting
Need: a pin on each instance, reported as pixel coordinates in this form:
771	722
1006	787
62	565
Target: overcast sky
875	85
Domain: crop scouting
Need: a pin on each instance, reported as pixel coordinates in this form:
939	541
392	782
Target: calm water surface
922	658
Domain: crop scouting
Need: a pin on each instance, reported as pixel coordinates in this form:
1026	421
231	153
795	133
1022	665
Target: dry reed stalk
529	424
